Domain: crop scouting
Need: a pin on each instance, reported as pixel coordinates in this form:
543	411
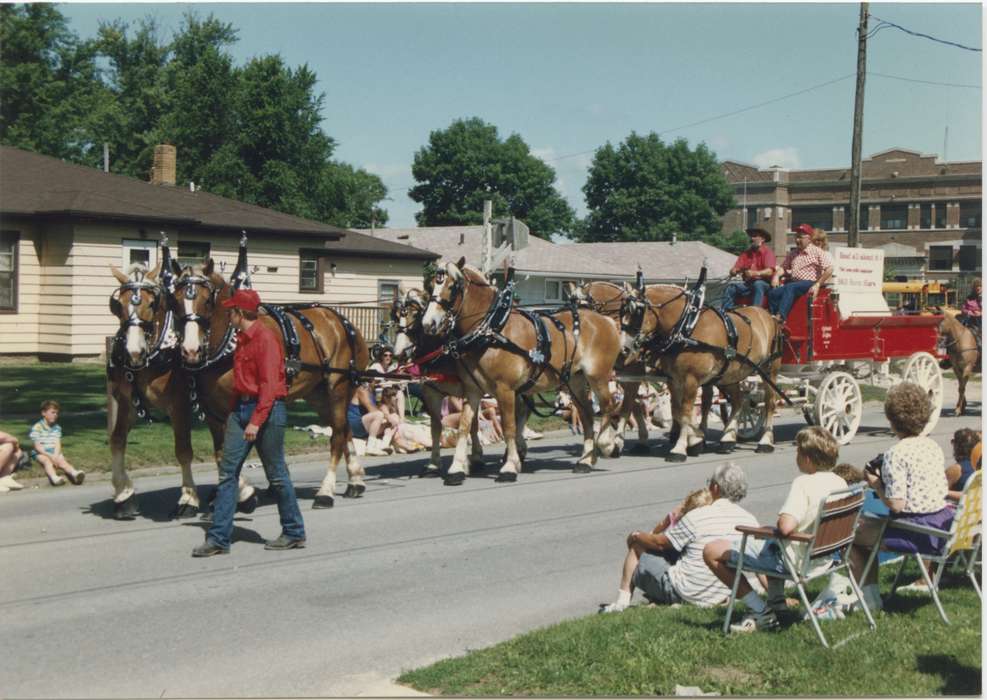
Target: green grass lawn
80	388
650	650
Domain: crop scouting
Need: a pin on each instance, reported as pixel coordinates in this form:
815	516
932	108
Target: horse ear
454	270
572	290
121	278
461	263
415	295
208	268
153	274
627	288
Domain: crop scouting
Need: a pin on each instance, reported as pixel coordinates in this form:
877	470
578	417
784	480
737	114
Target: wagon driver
806	269
258	420
756	266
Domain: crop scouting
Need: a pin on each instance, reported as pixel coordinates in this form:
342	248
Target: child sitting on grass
46	435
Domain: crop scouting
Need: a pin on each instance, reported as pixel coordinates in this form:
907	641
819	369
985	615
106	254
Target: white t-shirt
690	576
802	503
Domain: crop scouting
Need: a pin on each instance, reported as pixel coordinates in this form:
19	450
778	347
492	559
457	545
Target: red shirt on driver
258	369
761	259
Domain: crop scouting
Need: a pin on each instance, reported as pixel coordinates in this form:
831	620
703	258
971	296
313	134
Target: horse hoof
454	479
126	510
506	477
726	448
695	450
582	469
639	448
429	473
248	505
354	491
765	449
674	457
185	510
323	502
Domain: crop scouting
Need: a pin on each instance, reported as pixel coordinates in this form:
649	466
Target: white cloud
389	171
787	158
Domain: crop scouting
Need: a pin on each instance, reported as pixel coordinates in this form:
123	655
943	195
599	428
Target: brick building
926	214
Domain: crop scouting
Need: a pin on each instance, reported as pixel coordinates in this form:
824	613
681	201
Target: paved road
411	573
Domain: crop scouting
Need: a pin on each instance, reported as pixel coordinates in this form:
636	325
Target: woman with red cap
807	268
258	420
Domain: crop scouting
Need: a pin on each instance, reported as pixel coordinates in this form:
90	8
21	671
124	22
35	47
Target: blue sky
570	77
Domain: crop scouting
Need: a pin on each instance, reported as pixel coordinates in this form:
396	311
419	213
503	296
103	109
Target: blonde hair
696	499
819	239
818	446
849	473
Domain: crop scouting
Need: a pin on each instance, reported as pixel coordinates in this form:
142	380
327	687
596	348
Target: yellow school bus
918	296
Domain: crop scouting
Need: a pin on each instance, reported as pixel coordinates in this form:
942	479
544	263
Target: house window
941	257
139	251
192	253
310	277
816	217
387	292
894	216
553	290
969	258
8	270
970	214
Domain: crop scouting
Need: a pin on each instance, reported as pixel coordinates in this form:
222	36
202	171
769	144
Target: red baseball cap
245	299
804	229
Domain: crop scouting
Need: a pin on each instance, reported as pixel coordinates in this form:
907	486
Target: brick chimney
163	170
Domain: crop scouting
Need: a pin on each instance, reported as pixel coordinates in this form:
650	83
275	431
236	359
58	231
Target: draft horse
507	352
412	345
143	372
963	351
694	345
324	355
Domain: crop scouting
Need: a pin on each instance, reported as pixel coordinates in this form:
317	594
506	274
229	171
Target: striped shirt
48	435
807	264
690	576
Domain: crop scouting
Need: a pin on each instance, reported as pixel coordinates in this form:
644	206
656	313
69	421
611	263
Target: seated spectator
46	435
387	363
403	444
911	483
964	440
568	411
667	563
816	454
10	455
367	422
490	425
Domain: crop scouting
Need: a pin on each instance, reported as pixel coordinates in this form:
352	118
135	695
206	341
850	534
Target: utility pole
853	231
485	250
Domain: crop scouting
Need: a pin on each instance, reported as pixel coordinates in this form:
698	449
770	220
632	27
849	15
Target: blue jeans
781	299
270	448
739	289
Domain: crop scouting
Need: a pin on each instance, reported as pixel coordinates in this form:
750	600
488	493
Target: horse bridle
135	288
191	283
636	312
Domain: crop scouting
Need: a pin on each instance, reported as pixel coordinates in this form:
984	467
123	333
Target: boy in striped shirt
46	435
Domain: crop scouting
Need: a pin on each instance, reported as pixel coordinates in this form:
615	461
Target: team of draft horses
460	335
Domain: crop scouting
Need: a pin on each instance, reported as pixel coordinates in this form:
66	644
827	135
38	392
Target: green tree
646	190
735	242
467	163
49	84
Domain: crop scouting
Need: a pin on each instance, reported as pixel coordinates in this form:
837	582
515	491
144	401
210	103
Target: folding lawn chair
962	538
832	534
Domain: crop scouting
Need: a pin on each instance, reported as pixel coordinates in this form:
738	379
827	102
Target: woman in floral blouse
912	483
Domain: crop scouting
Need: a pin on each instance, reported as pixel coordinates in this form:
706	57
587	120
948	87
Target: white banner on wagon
858	276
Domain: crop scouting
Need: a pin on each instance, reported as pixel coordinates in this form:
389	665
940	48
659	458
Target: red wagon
845	335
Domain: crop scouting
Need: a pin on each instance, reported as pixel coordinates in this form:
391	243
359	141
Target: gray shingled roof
35	185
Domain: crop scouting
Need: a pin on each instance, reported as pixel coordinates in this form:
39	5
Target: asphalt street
411	573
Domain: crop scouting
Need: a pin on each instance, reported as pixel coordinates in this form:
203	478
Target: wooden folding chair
962	538
829	540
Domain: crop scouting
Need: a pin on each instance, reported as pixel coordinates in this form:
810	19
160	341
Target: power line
924	82
884	23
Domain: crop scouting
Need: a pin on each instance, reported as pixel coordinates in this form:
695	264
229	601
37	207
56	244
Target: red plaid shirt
807	264
258	369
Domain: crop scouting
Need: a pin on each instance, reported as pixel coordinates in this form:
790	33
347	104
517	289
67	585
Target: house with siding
62	226
542	268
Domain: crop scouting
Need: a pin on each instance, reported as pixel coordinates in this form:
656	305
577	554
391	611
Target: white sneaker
765	622
57	481
614	607
9	482
4	488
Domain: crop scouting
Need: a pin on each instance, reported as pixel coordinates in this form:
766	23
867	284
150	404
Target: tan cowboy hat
758	231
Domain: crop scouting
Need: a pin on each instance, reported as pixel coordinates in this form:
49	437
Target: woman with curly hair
912	483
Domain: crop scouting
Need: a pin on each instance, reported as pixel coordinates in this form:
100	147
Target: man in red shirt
755	265
258	419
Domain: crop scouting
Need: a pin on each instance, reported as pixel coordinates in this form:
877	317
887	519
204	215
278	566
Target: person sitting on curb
46	435
816	455
667	564
10	455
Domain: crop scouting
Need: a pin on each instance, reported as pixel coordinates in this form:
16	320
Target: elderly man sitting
806	269
667	563
756	266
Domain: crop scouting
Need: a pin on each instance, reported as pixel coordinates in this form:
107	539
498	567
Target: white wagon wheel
839	406
923	369
753	412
